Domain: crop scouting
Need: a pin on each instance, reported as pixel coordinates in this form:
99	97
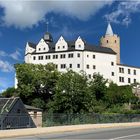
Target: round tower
111	40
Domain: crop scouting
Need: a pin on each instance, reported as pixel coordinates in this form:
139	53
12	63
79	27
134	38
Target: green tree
98	86
119	94
9	92
72	95
36	81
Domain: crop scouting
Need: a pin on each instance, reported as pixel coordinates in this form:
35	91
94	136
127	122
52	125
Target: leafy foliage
9	92
72	95
44	87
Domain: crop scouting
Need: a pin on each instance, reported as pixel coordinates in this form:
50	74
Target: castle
80	56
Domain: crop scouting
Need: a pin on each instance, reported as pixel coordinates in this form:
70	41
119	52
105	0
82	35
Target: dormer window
58	47
39	49
79	45
63	47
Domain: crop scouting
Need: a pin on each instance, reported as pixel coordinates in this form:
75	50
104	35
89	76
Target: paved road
132	133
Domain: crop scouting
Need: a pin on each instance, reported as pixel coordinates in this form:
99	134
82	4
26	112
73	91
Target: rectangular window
94	67
129	80
34	58
121	79
134	72
93	56
63	66
89	76
56	66
70	55
40	57
70	66
135	81
112	63
78	65
129	72
55	56
87	66
48	56
112	73
62	56
78	54
121	70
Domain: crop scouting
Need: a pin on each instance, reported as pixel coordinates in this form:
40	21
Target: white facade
79	56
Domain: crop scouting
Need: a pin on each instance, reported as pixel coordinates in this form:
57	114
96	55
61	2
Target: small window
121	79
129	80
79	45
121	70
112	63
135	81
112	73
62	56
34	58
44	48
89	76
129	72
63	66
39	49
78	54
78	65
115	41
70	55
87	55
87	66
70	66
134	72
107	41
94	67
48	56
93	56
56	66
63	47
41	57
55	56
58	47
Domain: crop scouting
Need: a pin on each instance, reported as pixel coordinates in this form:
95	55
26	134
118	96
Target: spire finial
109	30
47	23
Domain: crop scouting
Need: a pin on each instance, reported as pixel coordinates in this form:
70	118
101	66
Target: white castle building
79	55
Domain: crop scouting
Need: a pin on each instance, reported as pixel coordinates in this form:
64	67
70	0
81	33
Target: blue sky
22	21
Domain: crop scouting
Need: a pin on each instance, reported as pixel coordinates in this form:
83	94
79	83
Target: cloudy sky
25	20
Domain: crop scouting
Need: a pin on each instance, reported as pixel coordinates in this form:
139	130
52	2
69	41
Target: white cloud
2	53
15	55
22	14
5	66
122	14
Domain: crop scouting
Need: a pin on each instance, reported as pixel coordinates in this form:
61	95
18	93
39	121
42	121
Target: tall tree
98	86
72	95
36	81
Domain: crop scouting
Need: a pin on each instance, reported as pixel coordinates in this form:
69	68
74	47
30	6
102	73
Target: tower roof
109	30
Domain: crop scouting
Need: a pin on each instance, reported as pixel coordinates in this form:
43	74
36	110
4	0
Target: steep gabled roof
33	45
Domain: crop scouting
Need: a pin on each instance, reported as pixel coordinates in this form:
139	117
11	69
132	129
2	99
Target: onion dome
48	37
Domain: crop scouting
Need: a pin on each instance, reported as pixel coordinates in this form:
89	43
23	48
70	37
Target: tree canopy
44	87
